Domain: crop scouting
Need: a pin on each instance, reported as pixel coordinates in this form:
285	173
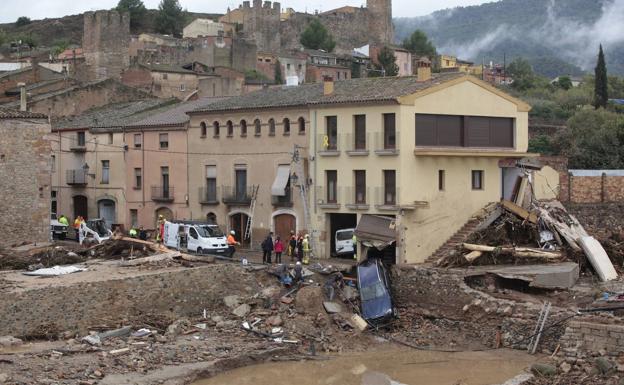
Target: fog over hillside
558	36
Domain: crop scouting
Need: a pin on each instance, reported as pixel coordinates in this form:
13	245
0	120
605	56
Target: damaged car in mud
374	288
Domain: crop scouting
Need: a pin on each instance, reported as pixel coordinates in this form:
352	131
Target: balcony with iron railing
357	199
328	199
387	144
386	198
162	193
233	196
76	177
328	146
208	196
357	146
283	200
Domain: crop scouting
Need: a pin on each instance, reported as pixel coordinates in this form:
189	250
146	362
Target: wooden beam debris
525	252
519	211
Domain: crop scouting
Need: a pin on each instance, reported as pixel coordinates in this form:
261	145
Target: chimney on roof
23	103
328	85
423	69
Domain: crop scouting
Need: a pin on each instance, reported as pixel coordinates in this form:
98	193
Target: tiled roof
173	115
169	68
384	89
6	113
111	115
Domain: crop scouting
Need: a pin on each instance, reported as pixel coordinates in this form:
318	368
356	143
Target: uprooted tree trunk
523	252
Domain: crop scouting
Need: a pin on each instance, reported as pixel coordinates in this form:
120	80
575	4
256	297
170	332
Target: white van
344	241
199	237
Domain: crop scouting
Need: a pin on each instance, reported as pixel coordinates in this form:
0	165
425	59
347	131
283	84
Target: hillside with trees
558	37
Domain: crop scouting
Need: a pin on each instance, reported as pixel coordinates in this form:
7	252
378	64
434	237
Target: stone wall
25	175
134	300
581	338
105	43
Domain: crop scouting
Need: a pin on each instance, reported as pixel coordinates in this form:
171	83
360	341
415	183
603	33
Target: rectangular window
165	76
464	131
389	187
138	140
360	132
331	123
53	163
53	203
105	171
288	66
477	179
332	185
241	184
389	131
441	180
182	87
138	178
360	186
164	177
110	138
164	141
134	218
211	184
81	139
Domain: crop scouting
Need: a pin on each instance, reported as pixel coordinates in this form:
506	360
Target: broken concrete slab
332	307
8	341
553	276
241	310
359	322
598	257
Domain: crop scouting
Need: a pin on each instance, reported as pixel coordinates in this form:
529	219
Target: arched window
257	127
271	127
211	218
243	124
202	126
286	126
215	126
230	128
301	125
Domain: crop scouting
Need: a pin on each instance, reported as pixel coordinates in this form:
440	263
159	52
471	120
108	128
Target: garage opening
80	206
340	222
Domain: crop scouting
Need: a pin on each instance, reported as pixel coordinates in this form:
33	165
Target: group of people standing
297	247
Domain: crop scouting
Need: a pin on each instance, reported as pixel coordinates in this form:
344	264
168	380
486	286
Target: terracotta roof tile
6	113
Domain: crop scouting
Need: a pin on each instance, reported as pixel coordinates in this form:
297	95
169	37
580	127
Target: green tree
22	21
59	46
316	36
137	12
386	63
601	88
418	43
594	139
564	82
521	72
278	73
170	18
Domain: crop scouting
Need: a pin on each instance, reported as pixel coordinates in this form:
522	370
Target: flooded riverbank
388	366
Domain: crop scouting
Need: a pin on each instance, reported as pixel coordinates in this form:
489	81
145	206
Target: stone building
105	44
25	165
351	26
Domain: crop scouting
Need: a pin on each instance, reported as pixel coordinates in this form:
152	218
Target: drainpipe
23	104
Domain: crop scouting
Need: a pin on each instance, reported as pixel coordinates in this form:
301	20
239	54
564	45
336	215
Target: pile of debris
544	233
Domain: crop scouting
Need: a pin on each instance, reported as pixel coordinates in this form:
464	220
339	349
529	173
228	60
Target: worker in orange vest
231	241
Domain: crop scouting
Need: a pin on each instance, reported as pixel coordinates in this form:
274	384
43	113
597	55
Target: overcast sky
10	10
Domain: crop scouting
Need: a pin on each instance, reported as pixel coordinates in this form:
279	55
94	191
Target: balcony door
241	184
164	175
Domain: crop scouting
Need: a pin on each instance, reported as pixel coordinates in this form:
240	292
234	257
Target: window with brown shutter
389	130
464	131
332	132
389	187
332	188
360	132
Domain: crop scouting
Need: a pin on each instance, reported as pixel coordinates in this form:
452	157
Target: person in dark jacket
299	248
267	248
292	246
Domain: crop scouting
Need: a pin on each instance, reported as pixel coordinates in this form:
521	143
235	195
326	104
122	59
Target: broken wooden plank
519	211
599	259
570	233
515	251
150	259
473	255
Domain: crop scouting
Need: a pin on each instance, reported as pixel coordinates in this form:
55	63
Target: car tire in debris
200	251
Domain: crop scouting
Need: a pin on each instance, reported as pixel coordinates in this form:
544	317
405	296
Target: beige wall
150	158
546	183
202	27
404	62
426	217
261	155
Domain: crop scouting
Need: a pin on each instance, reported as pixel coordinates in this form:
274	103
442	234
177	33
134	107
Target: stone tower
262	23
380	21
105	43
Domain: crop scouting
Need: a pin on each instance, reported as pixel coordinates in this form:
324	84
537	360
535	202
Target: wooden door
283	225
